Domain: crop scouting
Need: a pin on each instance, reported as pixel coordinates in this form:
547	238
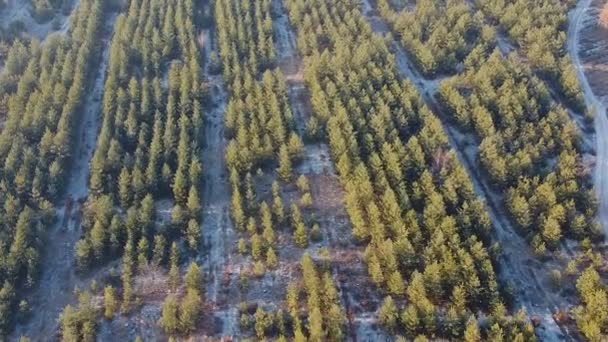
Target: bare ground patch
594	49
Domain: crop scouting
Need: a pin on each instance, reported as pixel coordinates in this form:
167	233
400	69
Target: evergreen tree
110	302
471	333
300	235
174	268
169	321
284	169
193	278
388	313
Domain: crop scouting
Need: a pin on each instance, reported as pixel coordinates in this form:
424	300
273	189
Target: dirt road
528	276
219	236
58	277
577	18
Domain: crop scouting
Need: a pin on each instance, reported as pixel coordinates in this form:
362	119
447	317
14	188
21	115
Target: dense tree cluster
150	137
528	146
260	128
313	308
244	30
592	315
180	315
407	196
438	34
539	28
260	125
41	89
79	323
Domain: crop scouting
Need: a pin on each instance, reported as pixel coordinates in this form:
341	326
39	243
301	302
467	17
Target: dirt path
218	232
579	17
58	277
528	276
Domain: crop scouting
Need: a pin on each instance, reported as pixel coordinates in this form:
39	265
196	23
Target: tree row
409	200
149	144
41	91
147	150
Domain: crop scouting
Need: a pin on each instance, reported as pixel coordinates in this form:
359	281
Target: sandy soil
58	277
19	10
587	45
519	267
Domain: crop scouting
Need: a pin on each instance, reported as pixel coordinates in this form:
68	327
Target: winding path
577	17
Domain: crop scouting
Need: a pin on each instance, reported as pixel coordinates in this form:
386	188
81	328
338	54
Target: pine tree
158	255
238	215
260	323
271	258
179	217
193	278
174	268
315	233
110	302
278	209
300	235
375	270
295	147
496	334
190	308
411	320
179	188
124	188
193	204
471	333
387	315
306	200
127	277
395	283
169	321
193	234
256	247
284	169
242	246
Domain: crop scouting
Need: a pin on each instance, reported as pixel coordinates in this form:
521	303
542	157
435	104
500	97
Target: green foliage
42	88
439	34
408	198
592	315
110	302
388	313
169	320
148	145
326	318
539	27
79	323
194	278
521	133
